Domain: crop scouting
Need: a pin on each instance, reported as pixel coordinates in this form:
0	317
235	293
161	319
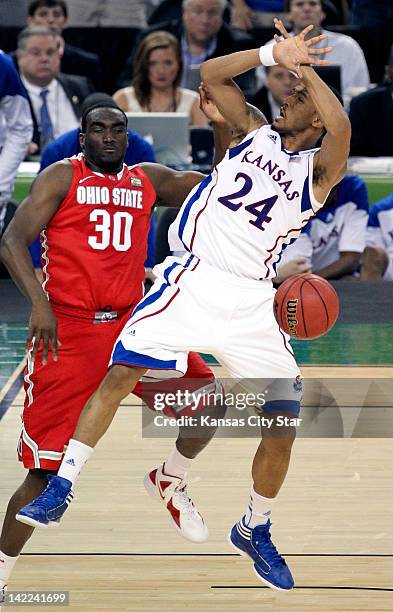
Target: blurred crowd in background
59	55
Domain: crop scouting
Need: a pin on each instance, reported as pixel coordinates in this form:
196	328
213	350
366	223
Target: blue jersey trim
382	205
153	297
274	266
306	201
150	298
239	148
125	357
187	208
10	82
278	406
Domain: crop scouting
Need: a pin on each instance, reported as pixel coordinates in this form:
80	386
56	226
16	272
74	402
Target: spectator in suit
346	52
270	97
371	115
16	128
155	85
54	14
333	241
377	260
67	145
55	98
202	34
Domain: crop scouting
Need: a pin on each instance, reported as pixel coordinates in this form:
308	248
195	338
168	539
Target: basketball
306	306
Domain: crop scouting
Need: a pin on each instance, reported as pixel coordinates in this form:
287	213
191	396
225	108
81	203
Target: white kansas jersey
380	225
380	230
254	203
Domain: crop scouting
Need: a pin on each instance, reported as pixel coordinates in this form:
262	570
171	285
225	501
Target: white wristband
266	55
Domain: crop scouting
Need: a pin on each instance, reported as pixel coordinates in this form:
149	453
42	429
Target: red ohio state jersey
95	246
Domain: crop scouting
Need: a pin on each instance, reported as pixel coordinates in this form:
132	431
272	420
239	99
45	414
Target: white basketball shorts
195	307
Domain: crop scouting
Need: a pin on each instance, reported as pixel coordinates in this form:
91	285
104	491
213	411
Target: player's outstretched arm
217	74
222	132
330	163
47	191
171	186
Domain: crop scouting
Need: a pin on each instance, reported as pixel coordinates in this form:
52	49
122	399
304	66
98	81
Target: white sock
259	509
6	566
74	459
177	464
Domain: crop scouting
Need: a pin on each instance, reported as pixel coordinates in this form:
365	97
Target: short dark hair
103	104
36	4
95	99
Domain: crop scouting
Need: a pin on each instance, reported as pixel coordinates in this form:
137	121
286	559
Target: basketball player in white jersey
219	297
377	261
335	238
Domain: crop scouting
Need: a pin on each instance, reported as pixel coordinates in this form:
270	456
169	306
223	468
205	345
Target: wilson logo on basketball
291	316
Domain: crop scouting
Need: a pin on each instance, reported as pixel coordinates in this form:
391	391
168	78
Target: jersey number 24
260	209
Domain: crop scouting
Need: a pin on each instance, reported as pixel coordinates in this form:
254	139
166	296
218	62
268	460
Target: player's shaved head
102	105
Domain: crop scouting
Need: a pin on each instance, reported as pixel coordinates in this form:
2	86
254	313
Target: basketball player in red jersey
94	213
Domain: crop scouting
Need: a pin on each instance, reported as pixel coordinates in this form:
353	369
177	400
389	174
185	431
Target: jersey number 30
260	209
114	230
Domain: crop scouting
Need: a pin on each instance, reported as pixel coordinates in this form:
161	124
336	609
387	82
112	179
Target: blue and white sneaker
269	565
48	508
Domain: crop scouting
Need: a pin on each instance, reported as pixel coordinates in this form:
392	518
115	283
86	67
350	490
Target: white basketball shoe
172	492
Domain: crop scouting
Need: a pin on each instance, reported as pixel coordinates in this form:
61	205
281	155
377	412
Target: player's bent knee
120	381
376	257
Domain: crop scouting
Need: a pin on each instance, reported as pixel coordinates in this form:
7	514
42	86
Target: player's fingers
306	30
29	338
280	27
315	39
319	51
45	346
318	62
36	344
55	344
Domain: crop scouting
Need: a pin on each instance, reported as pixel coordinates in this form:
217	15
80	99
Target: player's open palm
42	328
294	51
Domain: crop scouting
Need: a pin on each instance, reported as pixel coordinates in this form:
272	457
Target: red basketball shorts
57	392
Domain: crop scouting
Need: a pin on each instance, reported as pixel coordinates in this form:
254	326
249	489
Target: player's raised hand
42	327
294	51
208	107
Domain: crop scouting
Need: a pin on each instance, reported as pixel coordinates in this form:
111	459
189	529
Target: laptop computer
166	132
193	77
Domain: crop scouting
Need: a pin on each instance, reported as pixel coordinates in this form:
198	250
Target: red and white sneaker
172	492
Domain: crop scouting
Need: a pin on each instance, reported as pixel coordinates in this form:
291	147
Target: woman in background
155	84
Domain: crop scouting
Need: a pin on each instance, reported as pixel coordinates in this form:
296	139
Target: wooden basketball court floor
115	549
